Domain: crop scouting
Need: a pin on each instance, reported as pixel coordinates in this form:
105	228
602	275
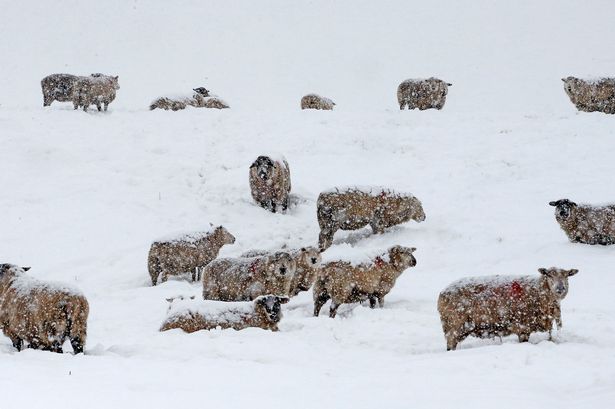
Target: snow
210	310
84	194
185	236
370	190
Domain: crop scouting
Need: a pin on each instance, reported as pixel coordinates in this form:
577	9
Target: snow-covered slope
84	194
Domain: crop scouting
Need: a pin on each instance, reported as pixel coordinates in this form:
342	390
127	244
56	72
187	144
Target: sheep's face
7	270
402	256
571	85
115	82
264	167
557	280
271	306
411	208
282	265
202	91
310	256
564	209
224	235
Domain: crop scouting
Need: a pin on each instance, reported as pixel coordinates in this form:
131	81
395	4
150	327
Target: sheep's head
7	270
557	280
282	265
571	85
264	167
310	256
412	208
564	209
224	236
270	306
115	81
202	91
402	256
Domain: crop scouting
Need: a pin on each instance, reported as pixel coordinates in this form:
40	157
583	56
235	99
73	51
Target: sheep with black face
586	223
270	183
194	315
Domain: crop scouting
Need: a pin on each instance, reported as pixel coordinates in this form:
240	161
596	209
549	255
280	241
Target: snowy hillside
84	194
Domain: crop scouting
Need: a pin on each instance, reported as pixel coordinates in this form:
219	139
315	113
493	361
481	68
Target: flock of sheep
248	291
97	89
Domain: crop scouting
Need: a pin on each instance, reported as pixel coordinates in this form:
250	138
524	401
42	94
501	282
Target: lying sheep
591	95
422	93
492	306
41	314
307	260
314	101
264	312
353	208
97	89
345	283
186	253
244	279
200	98
270	182
586	223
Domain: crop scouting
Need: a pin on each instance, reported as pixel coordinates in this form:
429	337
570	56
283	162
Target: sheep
200	98
41	314
244	279
57	87
344	283
586	223
186	253
503	305
270	182
97	89
591	95
422	93
307	260
352	208
264	312
314	101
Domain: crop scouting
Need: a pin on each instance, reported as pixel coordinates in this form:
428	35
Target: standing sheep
270	182
57	87
353	208
97	89
591	95
186	253
503	305
244	279
422	93
314	101
586	223
307	260
41	314
189	315
345	283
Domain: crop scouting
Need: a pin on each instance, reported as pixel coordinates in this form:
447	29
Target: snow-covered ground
84	194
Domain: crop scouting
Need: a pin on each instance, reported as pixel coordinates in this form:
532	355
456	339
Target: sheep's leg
98	106
381	300
319	301
285	204
17	343
451	342
524	337
75	105
106	105
325	239
372	301
56	347
77	345
333	309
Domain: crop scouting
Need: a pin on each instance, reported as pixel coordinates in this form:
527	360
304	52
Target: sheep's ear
117	77
283	300
412	249
303	249
564	79
449	84
26	268
554	203
572	272
543	271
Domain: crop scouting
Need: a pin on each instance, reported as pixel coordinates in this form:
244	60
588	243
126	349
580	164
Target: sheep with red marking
345	283
492	306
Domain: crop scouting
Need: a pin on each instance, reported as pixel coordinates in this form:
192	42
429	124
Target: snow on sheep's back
85	194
